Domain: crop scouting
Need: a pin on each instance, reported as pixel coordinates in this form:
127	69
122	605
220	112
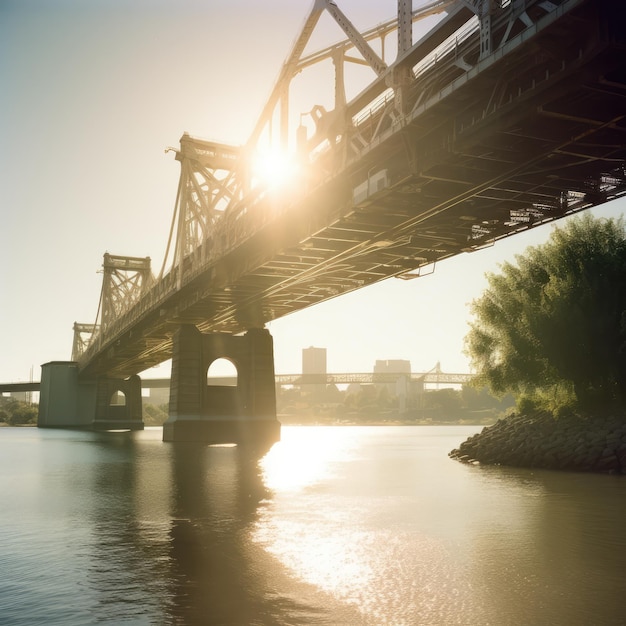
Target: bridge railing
449	50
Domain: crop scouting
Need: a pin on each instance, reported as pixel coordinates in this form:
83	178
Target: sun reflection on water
303	458
316	539
334	532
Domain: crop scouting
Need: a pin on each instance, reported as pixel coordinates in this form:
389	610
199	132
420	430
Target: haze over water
335	525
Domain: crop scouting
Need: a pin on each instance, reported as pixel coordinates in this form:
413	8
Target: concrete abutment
104	404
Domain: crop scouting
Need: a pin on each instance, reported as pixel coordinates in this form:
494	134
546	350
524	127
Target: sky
94	91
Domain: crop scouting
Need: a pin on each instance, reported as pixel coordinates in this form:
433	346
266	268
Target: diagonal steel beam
359	42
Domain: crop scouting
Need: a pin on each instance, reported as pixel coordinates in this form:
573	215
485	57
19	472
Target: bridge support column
118	404
64	402
244	414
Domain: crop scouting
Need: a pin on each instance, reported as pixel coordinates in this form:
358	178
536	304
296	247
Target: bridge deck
487	148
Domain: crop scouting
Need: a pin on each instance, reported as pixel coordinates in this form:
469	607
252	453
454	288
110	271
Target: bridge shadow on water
176	525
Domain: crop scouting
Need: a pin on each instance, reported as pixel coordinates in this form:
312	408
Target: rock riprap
570	443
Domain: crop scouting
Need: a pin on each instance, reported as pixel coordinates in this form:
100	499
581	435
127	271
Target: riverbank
573	443
389	418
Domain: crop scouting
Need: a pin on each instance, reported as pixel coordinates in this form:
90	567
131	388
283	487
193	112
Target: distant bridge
431	377
19	387
505	115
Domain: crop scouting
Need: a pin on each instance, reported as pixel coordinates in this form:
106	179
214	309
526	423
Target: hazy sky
93	91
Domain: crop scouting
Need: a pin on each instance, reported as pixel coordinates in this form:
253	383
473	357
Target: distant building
393	366
314	361
399	384
390	368
314	368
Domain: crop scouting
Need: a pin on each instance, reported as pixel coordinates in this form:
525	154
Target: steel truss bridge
434	376
368	378
505	115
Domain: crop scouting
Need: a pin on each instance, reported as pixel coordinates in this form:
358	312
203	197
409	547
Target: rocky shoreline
572	443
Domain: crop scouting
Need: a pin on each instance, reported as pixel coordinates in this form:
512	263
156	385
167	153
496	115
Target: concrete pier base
105	404
253	434
118	404
64	402
243	414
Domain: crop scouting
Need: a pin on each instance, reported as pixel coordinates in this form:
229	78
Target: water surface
335	525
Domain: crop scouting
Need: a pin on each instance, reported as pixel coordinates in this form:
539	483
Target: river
335	525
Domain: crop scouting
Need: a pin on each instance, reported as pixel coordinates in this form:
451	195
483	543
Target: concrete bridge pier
104	404
243	414
118	404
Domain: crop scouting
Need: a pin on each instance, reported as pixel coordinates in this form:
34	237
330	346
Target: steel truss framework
216	177
124	281
83	334
505	115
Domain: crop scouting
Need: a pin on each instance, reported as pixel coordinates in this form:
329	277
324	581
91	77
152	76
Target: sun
274	169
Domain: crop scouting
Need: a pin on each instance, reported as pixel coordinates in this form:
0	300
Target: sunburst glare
274	168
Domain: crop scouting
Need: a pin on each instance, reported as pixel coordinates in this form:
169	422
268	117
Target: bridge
503	116
435	376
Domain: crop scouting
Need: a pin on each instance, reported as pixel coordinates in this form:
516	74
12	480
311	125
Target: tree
154	415
479	399
15	412
446	402
553	326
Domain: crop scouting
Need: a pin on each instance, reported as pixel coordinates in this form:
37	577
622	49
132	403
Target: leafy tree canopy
552	326
14	412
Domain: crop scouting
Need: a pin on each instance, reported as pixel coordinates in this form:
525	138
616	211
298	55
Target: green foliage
17	413
468	403
154	415
558	399
551	329
371	399
448	401
477	399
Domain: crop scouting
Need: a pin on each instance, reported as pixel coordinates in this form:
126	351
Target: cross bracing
502	117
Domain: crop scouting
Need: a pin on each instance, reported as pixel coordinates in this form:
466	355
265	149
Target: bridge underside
529	134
